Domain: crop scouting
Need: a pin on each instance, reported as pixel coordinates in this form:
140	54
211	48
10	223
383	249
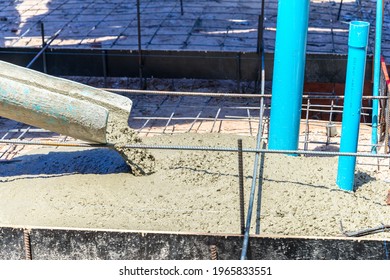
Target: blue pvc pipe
289	72
357	51
377	63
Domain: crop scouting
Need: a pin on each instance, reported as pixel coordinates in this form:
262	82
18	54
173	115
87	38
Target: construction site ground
191	191
204	25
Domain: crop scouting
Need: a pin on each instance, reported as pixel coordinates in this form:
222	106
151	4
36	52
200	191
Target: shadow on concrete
91	161
362	178
325	148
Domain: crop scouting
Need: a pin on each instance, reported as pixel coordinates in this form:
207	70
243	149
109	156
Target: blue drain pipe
356	65
289	73
377	63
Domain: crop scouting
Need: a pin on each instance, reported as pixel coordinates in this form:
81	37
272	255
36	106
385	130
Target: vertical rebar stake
181	7
214	252
43	46
140	66
260	29
306	144
260	43
104	65
329	132
239	72
340	8
241	185
27	244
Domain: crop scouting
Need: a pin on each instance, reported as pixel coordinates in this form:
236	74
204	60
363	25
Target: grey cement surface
190	191
205	25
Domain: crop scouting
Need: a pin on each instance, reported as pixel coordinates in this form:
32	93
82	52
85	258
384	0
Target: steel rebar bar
340	8
256	168
261	168
192	148
181	7
381	228
27	244
44	48
307	125
104	66
241	185
24	132
315	95
139	37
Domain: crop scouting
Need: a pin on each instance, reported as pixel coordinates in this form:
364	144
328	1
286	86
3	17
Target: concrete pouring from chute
66	107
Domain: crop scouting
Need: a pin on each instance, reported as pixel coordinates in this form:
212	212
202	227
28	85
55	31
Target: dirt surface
190	191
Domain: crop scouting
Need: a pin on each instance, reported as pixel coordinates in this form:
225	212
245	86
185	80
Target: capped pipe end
358	34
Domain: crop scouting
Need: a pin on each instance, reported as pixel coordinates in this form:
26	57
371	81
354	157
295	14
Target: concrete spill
141	162
118	132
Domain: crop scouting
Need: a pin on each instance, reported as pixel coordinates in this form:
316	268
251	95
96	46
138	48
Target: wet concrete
189	192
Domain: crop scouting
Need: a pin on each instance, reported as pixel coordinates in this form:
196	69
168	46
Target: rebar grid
167	117
203	113
191	25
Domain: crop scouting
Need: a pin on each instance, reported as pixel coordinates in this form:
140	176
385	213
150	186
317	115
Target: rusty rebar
27	243
368	231
214	252
241	185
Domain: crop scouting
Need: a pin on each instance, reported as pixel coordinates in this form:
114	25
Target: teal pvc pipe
356	65
289	72
377	63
